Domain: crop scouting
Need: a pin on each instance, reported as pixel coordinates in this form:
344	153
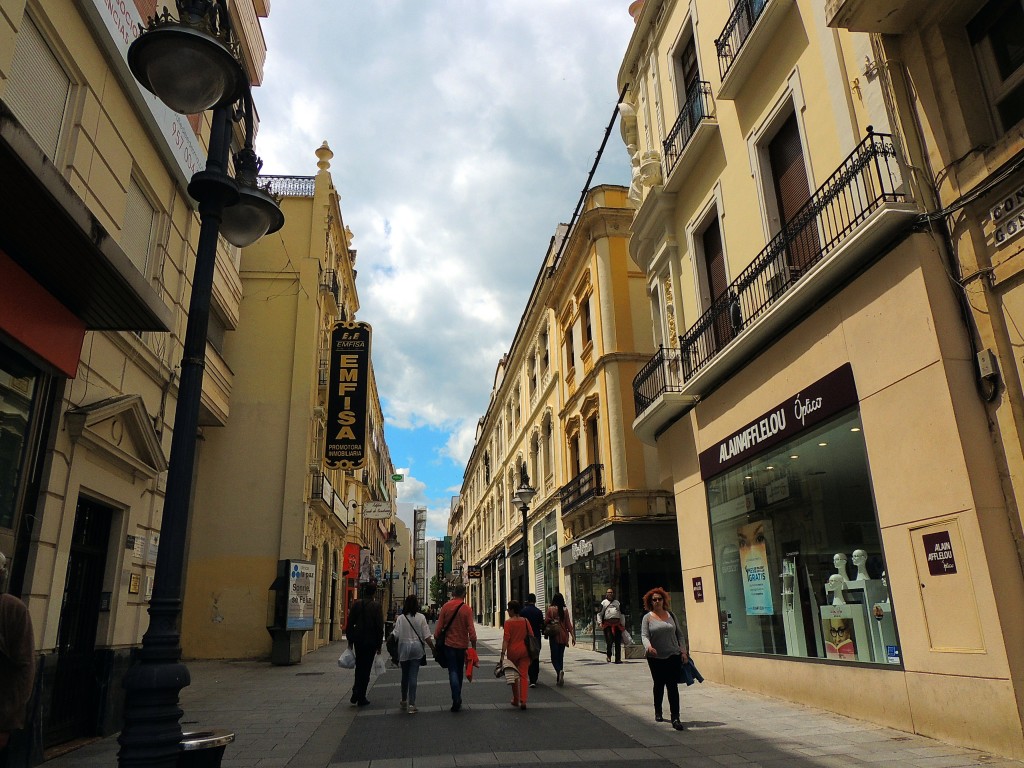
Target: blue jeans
410	674
557	655
456	658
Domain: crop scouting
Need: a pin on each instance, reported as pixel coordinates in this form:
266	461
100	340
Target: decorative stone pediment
120	430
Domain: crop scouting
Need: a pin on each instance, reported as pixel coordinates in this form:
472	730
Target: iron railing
329	283
290	186
660	374
698	107
866	179
586	485
736	31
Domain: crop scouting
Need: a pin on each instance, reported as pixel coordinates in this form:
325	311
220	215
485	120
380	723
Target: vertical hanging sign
348	385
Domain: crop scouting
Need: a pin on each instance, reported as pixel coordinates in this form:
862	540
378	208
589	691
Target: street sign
398	478
376	510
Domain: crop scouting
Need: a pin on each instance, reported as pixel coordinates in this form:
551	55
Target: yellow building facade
266	494
97	249
560	410
825	284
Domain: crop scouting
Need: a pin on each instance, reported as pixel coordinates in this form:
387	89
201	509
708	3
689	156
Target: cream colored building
97	247
561	408
818	214
266	494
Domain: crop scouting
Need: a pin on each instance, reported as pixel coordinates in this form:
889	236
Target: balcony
694	126
325	499
586	485
322	374
839	230
886	16
330	290
747	36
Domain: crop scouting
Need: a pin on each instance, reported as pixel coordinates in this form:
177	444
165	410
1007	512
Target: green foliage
436	591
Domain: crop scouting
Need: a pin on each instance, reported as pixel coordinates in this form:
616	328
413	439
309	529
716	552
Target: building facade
286	503
560	412
97	243
818	219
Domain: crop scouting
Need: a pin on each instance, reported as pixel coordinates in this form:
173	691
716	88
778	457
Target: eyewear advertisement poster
301	581
845	632
752	541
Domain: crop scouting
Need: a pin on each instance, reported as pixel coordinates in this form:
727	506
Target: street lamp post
522	498
405	577
191	65
392	543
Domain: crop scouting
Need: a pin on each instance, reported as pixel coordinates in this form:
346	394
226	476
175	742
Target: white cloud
463	132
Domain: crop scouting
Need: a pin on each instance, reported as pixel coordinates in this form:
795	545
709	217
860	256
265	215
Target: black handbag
439	654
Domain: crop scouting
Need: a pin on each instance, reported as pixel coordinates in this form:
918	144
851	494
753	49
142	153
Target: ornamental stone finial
323	157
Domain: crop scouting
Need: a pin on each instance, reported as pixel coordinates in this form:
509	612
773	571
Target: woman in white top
666	652
413	634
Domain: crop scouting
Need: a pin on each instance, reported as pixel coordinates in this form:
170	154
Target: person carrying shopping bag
514	648
559	629
413	636
666	652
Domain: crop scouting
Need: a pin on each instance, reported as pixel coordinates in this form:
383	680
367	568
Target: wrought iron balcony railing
698	107
736	31
586	485
662	373
867	179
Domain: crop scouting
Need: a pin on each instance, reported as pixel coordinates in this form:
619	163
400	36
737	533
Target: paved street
603	716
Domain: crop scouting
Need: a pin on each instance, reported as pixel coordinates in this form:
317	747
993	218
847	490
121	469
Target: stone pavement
299	716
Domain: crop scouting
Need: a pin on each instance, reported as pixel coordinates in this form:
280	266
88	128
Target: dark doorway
75	703
714	265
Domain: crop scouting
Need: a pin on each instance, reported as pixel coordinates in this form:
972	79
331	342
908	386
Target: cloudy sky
463	132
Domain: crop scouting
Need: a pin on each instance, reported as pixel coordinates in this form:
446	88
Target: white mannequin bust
860	559
835	585
839	560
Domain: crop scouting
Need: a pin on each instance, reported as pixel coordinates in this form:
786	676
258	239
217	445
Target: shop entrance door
584	604
75	695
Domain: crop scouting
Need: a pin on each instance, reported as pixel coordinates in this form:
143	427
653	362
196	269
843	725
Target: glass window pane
782	526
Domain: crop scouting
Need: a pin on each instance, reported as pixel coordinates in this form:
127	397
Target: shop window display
786	528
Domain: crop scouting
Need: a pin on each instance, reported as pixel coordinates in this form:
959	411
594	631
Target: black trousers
665	674
364	664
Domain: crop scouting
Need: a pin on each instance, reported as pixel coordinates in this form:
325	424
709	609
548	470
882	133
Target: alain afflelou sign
817	402
347	389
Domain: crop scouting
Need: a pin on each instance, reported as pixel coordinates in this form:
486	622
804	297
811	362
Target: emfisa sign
348	383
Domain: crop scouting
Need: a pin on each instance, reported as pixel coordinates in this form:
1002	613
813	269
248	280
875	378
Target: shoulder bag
423	645
532	644
439	655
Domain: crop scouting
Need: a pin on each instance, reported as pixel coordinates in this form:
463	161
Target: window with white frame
997	36
139	226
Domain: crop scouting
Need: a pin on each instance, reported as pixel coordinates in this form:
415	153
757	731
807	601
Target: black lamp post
405	576
391	542
191	64
522	498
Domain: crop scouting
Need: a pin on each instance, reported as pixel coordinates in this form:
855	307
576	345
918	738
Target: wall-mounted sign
1008	217
376	510
134	583
817	402
347	387
398	478
938	549
698	589
581	548
474	572
301	583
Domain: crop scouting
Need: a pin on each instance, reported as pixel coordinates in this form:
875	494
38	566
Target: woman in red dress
513	646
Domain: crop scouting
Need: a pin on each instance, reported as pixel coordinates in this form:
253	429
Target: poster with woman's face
752	540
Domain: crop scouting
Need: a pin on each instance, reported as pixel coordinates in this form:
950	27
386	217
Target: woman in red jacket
513	646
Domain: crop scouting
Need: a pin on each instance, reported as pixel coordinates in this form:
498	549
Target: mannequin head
835	585
839	561
860	559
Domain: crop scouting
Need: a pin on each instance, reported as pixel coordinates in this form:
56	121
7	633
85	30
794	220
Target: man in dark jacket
533	615
365	633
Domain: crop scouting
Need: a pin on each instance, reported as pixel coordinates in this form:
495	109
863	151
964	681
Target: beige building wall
265	493
941	441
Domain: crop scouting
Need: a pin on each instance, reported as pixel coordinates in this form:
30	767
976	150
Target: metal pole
391	581
152	733
526	558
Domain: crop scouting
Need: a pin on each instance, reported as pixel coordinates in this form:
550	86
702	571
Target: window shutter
137	232
37	91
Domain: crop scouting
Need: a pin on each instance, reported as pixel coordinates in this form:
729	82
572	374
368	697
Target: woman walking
666	652
513	647
559	630
412	633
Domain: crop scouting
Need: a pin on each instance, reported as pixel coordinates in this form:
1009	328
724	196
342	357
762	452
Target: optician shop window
798	553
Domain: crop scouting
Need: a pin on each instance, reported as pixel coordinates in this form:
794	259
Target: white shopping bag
347	660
